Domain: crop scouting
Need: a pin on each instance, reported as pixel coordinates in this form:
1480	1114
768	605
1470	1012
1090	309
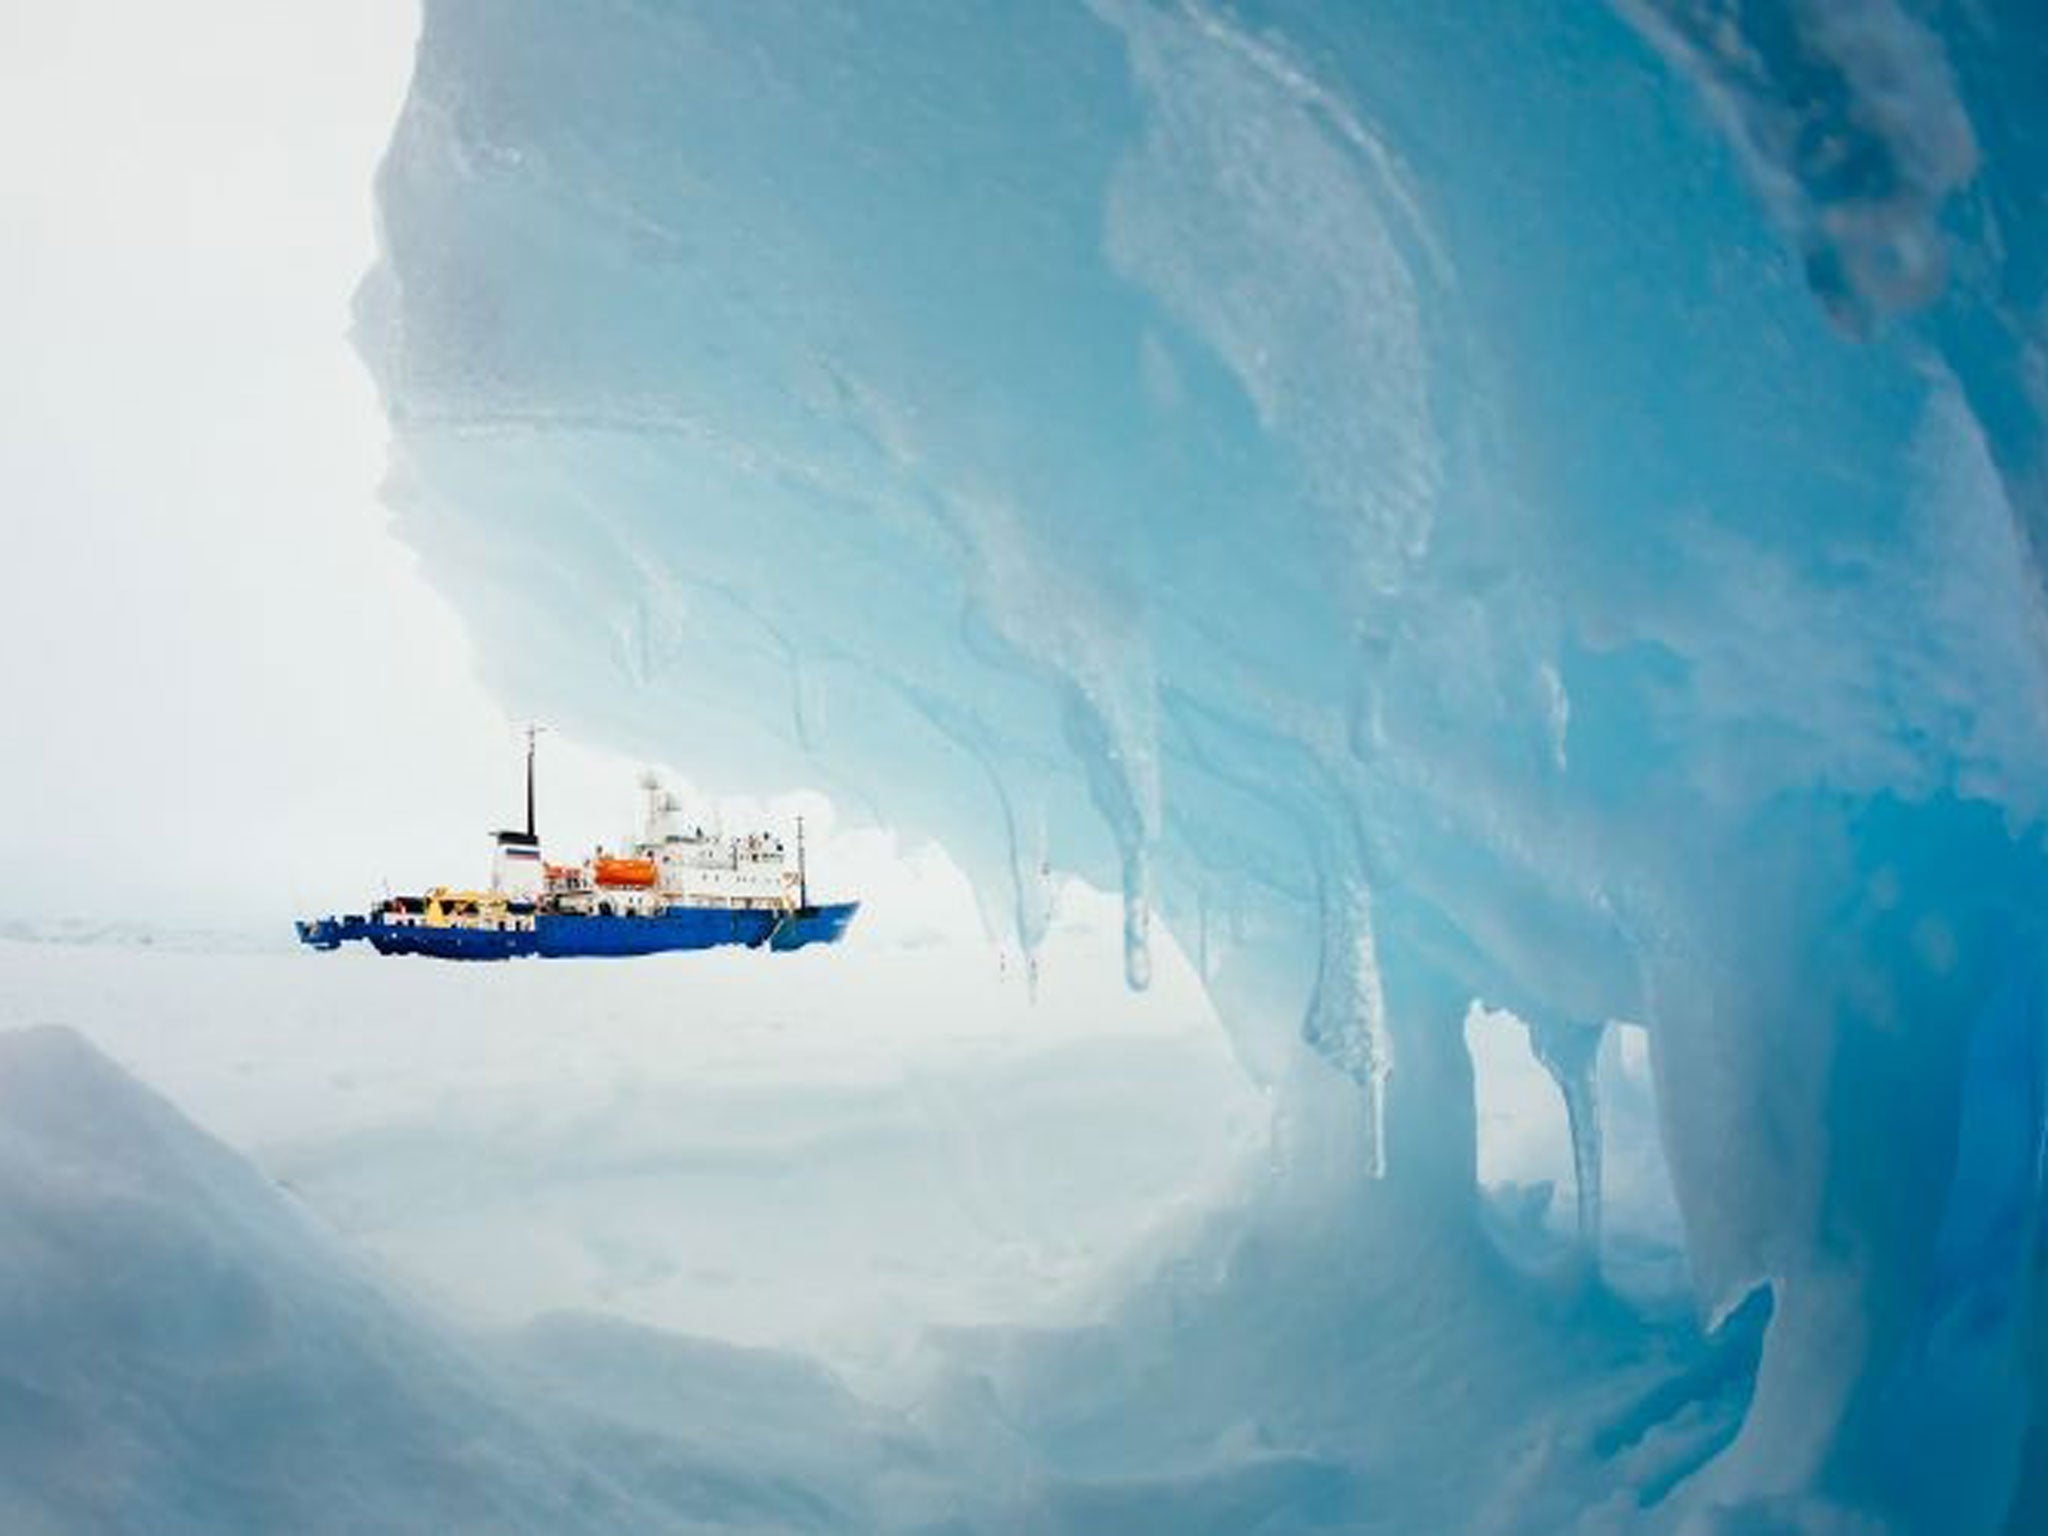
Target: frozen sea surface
687	1245
790	1150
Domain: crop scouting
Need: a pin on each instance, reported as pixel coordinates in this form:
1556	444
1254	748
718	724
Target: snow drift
1546	511
183	1349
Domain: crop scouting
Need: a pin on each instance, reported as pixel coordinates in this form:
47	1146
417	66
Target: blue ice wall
1534	502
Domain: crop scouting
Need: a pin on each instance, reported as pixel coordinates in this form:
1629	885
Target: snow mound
182	1349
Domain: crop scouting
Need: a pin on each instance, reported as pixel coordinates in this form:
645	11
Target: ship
675	888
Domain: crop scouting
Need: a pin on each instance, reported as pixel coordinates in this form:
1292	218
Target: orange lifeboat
637	874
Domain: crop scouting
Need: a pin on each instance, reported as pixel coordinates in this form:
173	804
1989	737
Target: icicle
1123	781
1031	880
1137	922
1347	1016
1570	1053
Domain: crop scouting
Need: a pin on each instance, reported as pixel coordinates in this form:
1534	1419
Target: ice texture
1543	507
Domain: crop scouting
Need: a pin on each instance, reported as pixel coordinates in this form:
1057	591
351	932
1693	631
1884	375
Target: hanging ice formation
1546	508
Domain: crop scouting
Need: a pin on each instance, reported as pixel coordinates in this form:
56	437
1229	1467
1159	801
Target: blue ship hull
562	935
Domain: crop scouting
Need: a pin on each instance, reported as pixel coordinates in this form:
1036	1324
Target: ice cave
1507	541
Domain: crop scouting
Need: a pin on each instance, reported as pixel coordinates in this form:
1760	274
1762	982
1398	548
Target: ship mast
516	868
531	732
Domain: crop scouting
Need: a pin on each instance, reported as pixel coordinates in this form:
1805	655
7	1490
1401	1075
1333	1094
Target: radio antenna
532	731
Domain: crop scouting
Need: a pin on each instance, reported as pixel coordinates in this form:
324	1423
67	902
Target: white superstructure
516	868
677	864
707	868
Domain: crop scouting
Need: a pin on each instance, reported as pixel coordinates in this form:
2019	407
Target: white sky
189	455
228	695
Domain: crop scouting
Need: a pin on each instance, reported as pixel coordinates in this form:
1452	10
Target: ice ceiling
1533	503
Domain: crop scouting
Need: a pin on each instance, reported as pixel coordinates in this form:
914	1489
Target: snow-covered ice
187	1349
791	1150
